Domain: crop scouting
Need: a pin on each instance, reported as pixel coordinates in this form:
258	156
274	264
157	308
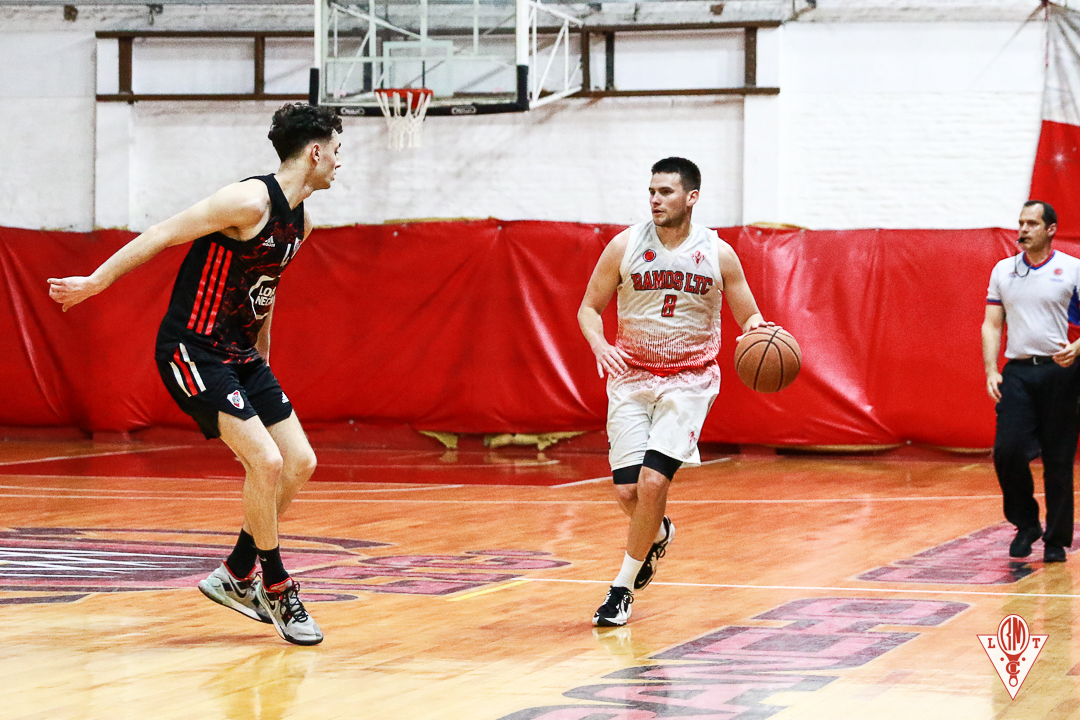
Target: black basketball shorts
203	386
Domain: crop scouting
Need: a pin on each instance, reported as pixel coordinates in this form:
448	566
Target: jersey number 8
669	306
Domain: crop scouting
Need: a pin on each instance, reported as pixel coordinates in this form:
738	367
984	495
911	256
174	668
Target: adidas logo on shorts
284	398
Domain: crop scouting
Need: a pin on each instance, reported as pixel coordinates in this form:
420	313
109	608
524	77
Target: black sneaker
1053	554
616	608
648	569
1021	544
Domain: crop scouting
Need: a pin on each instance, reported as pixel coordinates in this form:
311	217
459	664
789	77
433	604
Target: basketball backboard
476	56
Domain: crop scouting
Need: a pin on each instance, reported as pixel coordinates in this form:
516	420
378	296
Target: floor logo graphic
975	559
741	672
53	565
1013	651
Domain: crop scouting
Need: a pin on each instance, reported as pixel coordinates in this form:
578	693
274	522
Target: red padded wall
471	327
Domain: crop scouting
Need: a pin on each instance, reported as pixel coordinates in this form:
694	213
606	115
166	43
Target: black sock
241	561
273	571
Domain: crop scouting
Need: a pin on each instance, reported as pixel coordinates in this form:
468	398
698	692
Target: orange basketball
768	359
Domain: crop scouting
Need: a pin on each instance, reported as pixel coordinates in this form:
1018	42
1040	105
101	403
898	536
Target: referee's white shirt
1039	300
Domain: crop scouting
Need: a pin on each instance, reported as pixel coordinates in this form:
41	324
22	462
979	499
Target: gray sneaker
290	619
224	589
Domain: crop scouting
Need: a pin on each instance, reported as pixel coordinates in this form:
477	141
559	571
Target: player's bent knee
267	464
302	465
651	486
626	493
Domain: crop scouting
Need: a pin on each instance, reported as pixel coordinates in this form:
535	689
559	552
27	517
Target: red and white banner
471	327
1056	176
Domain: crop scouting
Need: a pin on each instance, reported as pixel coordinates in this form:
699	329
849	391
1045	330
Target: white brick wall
878	124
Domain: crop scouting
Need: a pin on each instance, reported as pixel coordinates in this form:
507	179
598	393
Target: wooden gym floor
795	588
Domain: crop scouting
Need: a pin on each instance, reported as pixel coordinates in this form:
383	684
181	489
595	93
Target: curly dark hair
296	124
689	175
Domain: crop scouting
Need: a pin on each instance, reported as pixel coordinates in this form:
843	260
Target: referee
1036	293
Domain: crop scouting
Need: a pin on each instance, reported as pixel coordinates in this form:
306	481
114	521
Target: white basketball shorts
665	414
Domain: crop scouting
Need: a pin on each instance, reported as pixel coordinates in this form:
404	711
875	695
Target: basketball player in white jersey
670	276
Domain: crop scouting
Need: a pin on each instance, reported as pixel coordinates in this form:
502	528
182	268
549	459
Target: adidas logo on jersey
269	242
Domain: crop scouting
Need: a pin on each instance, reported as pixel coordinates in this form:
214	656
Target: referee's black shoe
1053	554
1021	544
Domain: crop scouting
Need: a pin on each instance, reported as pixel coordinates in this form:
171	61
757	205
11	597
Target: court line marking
510	501
431	466
450	466
487	591
205	494
821	588
133	451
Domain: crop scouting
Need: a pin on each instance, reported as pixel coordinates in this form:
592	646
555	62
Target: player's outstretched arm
740	298
602	286
235	209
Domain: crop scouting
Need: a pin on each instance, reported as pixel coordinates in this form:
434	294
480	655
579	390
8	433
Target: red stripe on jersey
669	370
220	292
215	280
214	247
186	372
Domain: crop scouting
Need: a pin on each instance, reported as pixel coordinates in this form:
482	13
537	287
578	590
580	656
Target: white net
404	110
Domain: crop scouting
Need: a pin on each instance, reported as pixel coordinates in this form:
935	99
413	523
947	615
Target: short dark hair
1049	216
296	124
689	175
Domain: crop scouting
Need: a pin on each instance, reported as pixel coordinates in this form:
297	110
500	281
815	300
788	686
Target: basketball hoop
404	110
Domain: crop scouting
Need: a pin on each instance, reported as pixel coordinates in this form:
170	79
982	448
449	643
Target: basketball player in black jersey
213	347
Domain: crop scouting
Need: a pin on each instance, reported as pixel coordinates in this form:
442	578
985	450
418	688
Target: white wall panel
878	124
217	65
908	125
47	129
288	62
649	61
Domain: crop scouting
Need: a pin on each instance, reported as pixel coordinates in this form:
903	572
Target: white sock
661	533
630	569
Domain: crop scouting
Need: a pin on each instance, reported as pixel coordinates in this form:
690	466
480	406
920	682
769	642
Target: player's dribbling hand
754	325
71	291
993	386
612	359
1066	356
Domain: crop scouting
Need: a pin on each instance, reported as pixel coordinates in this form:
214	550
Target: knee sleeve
661	463
626	475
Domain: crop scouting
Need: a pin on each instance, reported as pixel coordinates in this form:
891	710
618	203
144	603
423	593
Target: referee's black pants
1038	414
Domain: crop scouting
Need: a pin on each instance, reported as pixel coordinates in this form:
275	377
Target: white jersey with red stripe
669	300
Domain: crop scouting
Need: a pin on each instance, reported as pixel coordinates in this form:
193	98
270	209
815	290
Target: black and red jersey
225	288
